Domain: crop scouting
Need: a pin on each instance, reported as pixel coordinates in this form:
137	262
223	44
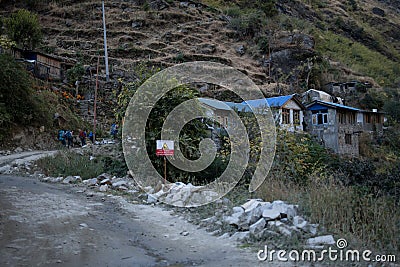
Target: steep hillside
305	43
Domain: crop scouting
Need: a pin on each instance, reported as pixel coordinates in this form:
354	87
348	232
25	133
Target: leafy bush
75	73
23	27
249	24
190	135
15	94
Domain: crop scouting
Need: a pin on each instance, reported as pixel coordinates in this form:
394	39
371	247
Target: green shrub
75	73
23	27
16	95
67	163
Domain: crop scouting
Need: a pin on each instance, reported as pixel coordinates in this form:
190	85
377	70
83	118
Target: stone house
335	125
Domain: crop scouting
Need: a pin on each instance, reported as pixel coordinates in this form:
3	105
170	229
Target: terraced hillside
284	50
162	35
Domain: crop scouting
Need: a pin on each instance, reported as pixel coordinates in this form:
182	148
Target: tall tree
24	28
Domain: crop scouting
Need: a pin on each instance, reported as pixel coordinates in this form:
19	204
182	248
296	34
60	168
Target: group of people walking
66	137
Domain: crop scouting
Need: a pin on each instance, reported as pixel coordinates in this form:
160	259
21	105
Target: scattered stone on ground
254	219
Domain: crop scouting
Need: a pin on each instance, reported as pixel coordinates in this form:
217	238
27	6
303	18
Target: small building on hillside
372	121
335	125
287	111
219	111
340	88
313	95
46	66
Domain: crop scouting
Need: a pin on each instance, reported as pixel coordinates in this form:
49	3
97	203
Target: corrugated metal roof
330	104
275	102
214	103
239	106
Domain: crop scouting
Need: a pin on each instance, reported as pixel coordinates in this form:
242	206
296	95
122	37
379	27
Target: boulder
103	176
251	204
91	182
5	169
118	182
106	181
271	214
103	188
234	219
299	222
240	236
151	199
238	209
281	227
240	50
72	179
258	226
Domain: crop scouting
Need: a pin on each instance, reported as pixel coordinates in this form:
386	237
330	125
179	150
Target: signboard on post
165	148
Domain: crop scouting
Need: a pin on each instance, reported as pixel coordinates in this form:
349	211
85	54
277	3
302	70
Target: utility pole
105	43
95	105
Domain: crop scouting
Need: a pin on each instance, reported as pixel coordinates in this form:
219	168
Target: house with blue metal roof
337	126
287	110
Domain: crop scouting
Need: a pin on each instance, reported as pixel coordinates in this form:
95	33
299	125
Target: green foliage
392	105
373	99
190	135
23	27
1	25
6	43
249	24
263	44
233	11
114	166
15	93
267	6
358	57
75	73
123	96
353	5
189	138
67	163
299	158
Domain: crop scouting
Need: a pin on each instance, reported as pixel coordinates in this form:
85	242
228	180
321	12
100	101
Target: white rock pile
257	218
104	182
180	194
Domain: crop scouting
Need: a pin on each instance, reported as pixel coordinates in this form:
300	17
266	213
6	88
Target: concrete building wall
326	133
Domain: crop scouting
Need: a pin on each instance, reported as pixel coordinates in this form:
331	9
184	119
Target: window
285	116
342	117
320	117
347	139
351	118
219	120
296	117
367	118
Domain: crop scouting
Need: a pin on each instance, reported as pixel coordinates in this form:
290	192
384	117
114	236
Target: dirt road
54	224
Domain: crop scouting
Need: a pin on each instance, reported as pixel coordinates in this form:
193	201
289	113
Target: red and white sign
165	148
